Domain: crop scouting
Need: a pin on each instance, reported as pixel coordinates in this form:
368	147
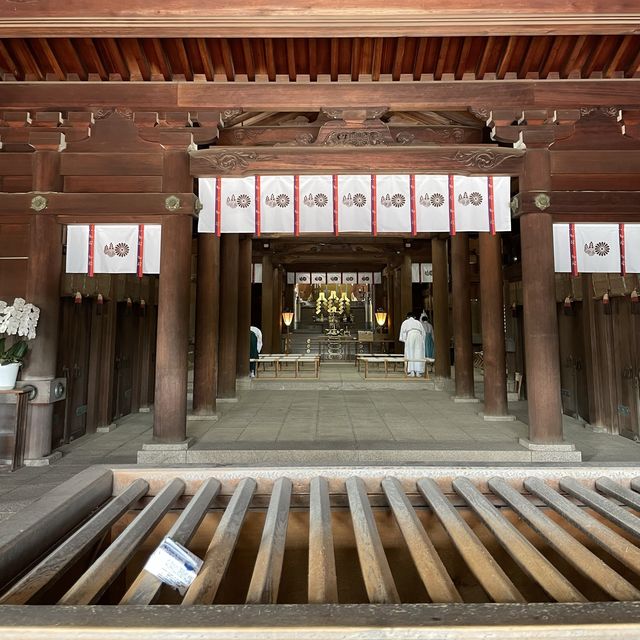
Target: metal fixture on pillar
287	318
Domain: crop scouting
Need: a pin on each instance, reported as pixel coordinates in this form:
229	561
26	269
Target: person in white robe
428	340
412	333
255	347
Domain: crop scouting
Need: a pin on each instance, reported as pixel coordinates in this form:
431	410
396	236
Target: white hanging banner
365	278
597	248
471	201
431	196
415	272
256	273
291	277
318	278
561	248
208	214
631	244
77	248
501	202
349	278
334	278
237	206
277	204
377	278
150	237
393	204
316	204
115	248
354	204
426	272
303	278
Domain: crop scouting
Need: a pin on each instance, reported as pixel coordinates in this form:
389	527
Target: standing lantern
287	318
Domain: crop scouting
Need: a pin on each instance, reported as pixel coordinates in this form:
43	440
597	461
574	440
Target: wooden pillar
267	304
598	414
462	316
541	339
406	286
442	334
276	327
172	341
205	372
229	254
244	305
397	309
493	341
43	289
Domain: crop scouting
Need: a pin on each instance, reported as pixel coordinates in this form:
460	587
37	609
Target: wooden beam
458	159
398	96
137	18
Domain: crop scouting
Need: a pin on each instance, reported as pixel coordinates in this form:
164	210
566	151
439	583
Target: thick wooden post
170	405
172	341
267	304
205	373
43	289
462	316
229	253
541	339
406	286
493	342
244	306
276	327
442	334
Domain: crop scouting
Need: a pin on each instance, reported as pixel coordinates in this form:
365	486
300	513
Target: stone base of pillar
108	428
488	418
194	417
462	400
44	461
164	452
144	410
226	400
557	452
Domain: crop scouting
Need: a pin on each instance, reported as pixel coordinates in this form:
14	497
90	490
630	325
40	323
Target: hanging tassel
77	299
606	304
143	308
99	304
635	302
567	307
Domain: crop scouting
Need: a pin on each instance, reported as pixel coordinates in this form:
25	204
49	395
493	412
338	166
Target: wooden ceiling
321	59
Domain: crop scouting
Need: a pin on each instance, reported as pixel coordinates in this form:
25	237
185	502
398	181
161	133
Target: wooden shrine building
111	112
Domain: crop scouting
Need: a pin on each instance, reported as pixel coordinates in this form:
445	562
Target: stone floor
374	422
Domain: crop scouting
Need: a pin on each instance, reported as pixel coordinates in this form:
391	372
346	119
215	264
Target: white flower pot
8	375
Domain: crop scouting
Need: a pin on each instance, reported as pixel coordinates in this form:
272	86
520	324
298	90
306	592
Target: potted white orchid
18	319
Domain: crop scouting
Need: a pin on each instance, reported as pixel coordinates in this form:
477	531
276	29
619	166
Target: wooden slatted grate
386	536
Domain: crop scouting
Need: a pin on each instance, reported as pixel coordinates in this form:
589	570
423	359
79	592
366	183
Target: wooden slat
216	561
526	556
487	571
505	58
249	64
56	563
602	505
483	65
418	65
398	57
376	63
323	585
265	580
602	535
335	47
376	572
432	571
291	59
613	489
103	572
571	62
575	553
146	586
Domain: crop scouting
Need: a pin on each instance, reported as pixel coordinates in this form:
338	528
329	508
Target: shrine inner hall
344	300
